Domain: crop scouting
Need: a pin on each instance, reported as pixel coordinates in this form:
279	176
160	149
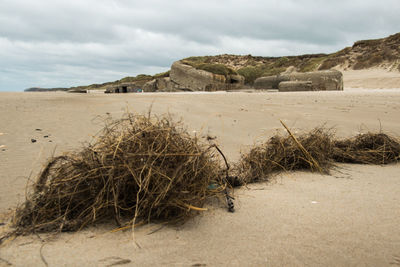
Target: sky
64	43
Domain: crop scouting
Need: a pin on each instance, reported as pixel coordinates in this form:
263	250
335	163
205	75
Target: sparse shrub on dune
332	62
216	69
250	73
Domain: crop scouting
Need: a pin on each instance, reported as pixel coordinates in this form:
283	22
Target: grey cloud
62	43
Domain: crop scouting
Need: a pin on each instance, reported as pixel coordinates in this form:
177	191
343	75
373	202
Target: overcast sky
63	43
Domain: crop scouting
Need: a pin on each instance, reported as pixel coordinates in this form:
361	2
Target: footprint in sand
114	261
396	260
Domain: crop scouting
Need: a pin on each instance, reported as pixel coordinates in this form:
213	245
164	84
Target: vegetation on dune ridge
364	54
215	68
251	67
141	79
381	53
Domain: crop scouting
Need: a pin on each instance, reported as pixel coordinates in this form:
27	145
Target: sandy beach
348	218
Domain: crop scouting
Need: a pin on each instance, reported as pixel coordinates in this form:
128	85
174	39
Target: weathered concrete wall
235	81
321	80
83	91
150	86
164	84
123	88
188	78
327	80
167	85
161	85
295	86
183	78
269	82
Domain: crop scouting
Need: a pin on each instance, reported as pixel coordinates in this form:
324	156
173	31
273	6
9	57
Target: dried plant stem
312	161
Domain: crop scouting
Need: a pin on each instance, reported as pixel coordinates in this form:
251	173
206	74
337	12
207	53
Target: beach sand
350	217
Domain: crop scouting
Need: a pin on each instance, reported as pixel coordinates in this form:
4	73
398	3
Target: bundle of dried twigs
317	150
139	168
310	151
368	148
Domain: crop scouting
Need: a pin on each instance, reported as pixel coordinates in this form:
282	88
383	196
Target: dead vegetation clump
317	150
141	169
310	151
138	169
367	148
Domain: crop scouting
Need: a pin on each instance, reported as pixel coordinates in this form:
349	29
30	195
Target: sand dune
371	78
348	218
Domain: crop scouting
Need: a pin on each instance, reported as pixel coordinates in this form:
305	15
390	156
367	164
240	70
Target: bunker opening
234	81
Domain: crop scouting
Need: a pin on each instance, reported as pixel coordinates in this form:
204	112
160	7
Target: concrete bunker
190	78
328	80
234	80
124	88
295	86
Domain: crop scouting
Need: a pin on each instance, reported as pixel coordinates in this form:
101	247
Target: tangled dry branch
317	150
138	168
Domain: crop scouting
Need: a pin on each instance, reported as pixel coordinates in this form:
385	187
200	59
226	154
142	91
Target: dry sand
348	218
371	78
